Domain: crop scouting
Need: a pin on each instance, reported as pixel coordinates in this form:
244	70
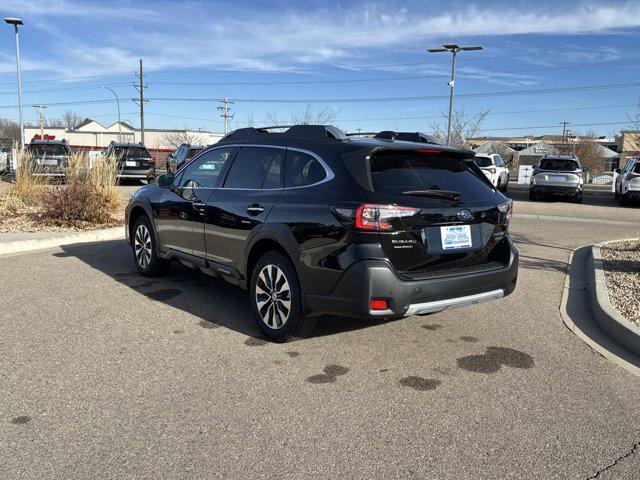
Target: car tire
532	195
276	299
145	249
578	198
623	200
505	186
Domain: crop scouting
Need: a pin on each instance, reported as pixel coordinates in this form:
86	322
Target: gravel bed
622	274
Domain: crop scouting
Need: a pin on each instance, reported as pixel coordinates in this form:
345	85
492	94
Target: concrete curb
28	245
612	322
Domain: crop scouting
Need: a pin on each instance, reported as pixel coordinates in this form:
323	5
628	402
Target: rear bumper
376	279
140	173
569	190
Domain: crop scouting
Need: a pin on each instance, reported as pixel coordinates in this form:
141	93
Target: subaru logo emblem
464	215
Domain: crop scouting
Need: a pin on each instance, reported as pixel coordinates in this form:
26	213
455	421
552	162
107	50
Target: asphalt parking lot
106	374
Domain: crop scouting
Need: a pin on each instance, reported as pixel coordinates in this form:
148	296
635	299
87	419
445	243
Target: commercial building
91	135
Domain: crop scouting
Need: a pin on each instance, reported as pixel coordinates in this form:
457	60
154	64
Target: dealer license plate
455	236
556	178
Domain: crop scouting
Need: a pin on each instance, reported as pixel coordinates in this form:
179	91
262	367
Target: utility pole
16	22
454	49
140	101
226	113
40	108
564	131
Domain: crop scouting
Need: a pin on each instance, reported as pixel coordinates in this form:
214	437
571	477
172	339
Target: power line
413	98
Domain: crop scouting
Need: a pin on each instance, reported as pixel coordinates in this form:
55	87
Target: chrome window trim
329	173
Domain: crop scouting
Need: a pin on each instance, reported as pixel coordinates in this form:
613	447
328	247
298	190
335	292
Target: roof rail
312	132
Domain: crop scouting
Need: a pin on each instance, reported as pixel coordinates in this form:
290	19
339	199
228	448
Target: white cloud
190	34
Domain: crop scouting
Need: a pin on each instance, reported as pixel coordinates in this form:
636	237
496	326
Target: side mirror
585	169
165	181
618	171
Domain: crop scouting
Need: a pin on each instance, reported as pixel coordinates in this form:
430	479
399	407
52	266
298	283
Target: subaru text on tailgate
312	222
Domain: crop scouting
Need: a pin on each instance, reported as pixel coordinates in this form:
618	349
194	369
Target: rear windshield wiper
448	194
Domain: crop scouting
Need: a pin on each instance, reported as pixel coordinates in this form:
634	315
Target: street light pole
118	102
454	49
15	22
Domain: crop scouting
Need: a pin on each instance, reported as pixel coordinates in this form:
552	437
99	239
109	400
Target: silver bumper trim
439	305
132	176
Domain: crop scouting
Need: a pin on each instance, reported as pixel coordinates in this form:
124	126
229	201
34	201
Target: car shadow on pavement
213	300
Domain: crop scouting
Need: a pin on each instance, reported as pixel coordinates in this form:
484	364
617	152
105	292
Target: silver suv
628	181
560	175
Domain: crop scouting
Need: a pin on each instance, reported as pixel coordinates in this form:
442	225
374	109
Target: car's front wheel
145	249
276	299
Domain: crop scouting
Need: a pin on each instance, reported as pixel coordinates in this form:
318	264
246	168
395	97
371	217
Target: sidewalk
26	242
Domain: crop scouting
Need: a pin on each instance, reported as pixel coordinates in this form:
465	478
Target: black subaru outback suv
312	222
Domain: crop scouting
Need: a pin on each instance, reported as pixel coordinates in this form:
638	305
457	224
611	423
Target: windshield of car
483	161
49	150
396	172
131	152
559	164
192	152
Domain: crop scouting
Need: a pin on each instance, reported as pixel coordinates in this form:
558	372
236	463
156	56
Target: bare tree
177	138
586	148
9	130
71	119
463	127
308	116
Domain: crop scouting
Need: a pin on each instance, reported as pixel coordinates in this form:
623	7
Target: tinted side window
250	167
204	172
636	168
302	169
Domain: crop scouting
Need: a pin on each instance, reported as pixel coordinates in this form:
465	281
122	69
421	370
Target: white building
91	135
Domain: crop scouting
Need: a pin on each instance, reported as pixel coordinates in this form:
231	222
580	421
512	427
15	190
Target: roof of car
47	142
326	134
124	144
560	157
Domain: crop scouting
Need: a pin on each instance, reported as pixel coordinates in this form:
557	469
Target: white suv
495	168
628	181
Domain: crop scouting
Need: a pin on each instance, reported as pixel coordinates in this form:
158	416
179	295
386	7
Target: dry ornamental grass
87	198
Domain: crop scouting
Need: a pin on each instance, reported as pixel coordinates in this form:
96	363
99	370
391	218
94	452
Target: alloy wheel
142	245
273	296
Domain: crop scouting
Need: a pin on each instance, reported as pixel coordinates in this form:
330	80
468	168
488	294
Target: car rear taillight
377	217
506	210
492	169
152	159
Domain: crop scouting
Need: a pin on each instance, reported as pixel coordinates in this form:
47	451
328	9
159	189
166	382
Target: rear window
483	161
131	152
394	172
40	150
636	168
192	152
558	164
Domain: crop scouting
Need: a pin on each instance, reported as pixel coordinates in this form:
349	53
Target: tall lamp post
15	22
454	49
118	102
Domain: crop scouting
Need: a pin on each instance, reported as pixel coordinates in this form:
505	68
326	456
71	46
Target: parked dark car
134	161
182	155
51	157
558	175
312	222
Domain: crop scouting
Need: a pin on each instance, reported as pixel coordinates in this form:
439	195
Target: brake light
506	209
378	305
152	159
429	150
377	217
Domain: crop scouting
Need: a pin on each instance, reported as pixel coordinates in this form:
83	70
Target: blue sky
308	51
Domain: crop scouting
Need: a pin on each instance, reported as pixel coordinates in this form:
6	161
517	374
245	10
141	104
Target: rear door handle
255	209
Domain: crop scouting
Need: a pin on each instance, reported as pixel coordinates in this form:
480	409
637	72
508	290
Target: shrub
77	204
